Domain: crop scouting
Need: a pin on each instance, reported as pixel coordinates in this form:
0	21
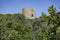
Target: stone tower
28	13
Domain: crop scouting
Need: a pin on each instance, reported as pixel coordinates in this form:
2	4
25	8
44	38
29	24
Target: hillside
16	27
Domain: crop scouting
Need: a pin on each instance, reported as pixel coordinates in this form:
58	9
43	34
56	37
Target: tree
55	20
44	16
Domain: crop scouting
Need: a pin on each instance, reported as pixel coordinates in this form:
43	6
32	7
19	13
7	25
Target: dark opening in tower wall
32	15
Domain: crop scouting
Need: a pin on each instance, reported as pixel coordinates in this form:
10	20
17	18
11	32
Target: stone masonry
29	13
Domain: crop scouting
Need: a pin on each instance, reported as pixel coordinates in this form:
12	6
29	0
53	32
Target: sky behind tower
15	6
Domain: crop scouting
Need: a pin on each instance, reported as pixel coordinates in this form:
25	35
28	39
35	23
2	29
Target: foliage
16	27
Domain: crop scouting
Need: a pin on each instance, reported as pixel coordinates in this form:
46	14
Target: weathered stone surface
29	13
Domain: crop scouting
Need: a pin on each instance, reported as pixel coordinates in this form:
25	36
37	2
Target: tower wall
28	13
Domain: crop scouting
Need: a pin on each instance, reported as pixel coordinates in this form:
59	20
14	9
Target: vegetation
15	27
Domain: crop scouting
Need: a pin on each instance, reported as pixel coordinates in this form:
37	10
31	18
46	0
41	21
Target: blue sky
15	6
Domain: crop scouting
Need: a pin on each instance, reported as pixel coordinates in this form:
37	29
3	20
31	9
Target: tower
28	13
